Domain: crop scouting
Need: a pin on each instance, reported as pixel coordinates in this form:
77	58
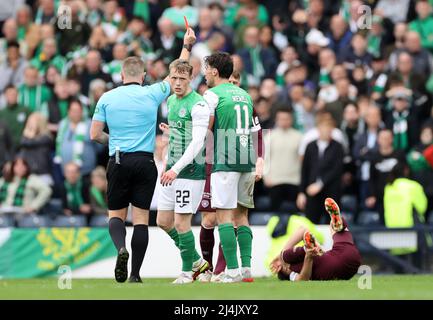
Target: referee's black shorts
132	181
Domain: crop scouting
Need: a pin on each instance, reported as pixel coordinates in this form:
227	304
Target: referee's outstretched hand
168	177
189	37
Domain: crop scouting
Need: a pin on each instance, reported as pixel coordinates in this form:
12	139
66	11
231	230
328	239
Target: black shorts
132	181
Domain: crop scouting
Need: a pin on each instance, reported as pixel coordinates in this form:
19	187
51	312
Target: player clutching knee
311	262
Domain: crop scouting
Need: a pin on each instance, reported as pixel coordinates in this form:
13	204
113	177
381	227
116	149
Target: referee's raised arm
130	113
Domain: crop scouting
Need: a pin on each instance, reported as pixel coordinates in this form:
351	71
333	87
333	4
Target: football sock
117	230
229	244
187	248
139	242
245	239
221	262
207	242
175	236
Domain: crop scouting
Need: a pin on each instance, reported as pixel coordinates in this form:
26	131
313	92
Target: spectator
206	25
263	110
382	162
93	71
339	35
405	202
73	142
98	192
282	164
397	11
12	70
5	145
36	145
254	57
114	68
322	169
246	12
99	41
75	192
364	149
32	94
336	107
73	36
289	57
97	89
402	120
357	53
421	170
45	14
424	24
9	33
167	45
179	9
315	41
137	38
21	191
327	62
58	105
48	57
14	115
112	20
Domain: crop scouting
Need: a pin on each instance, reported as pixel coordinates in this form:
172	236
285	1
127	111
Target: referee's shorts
132	181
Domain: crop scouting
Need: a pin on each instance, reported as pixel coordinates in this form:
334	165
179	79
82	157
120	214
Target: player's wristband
188	47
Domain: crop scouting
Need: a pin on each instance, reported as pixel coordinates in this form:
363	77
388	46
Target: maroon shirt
339	263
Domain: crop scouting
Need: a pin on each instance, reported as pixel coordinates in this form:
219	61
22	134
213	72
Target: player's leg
165	215
188	195
116	227
139	241
244	232
142	178
334	212
224	189
118	202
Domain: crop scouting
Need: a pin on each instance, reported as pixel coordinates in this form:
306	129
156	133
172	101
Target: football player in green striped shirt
184	178
233	174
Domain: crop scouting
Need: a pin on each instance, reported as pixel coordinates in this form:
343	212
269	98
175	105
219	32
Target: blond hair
41	121
181	66
133	67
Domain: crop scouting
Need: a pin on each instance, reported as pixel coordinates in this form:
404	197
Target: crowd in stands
342	88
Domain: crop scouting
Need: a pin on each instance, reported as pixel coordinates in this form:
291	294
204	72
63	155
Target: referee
130	113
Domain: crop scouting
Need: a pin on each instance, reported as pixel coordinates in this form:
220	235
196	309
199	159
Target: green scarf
73	194
4	191
19	194
78	146
401	139
98	196
324	78
258	70
374	45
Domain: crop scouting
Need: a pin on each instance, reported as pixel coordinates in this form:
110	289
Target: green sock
245	239
187	248
175	236
229	244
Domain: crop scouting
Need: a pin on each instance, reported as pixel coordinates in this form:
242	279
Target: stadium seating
349	203
99	221
259	218
53	208
430	218
6	221
33	221
369	218
262	203
73	221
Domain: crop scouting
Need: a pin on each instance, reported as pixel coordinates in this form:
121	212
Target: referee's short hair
181	66
133	67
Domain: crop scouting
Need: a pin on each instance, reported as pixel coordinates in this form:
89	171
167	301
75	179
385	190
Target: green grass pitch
383	287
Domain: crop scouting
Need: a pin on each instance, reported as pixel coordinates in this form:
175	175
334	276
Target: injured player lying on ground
310	262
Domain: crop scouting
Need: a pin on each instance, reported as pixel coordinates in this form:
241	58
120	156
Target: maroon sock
294	255
221	263
207	241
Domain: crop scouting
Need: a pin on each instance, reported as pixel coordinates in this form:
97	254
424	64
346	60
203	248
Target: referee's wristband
188	47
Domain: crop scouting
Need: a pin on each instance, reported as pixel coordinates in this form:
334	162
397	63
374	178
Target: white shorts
228	189
182	196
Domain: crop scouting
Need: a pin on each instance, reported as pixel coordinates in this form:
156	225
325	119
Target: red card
186	23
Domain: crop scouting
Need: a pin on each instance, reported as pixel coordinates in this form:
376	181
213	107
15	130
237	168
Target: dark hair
215	5
74	100
221	61
398	171
284	110
26	164
13	43
10	86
